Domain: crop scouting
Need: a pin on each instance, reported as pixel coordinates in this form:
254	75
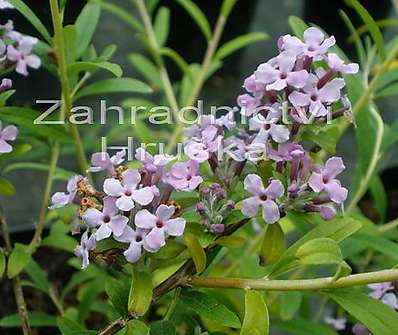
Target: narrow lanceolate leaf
378	317
197	253
256	320
92	67
209	308
162	328
146	68
273	245
198	16
162	25
116	85
18	259
36	319
140	296
227	7
32	18
289	304
2	262
320	251
238	43
297	25
86	24
371	25
7	189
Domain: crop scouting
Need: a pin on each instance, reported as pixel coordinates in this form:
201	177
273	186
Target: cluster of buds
214	207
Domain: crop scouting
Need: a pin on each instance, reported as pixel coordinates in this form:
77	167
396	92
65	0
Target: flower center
311	49
189	177
283	76
138	238
314	97
267	126
325	179
107	219
127	193
159	224
264	197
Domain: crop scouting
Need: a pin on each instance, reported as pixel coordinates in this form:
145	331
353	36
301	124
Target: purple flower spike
21	55
160	225
326	180
264	197
101	161
126	190
109	220
82	250
278	73
61	199
184	176
9	133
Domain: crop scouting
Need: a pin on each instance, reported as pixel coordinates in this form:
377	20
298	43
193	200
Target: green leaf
7	189
197	252
141	290
146	68
390	136
62	242
92	67
118	294
198	16
86	24
136	327
209	308
60	174
3	262
32	18
387	91
337	229
176	57
380	244
36	319
114	86
379	196
71	43
256	320
378	317
19	258
70	327
303	327
122	14
162	328
371	25
18	150
5	96
88	296
227	7
289	304
237	43
320	251
38	276
298	26
162	25
273	245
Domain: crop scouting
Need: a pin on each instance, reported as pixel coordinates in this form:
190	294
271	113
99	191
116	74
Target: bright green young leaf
273	245
38	276
88	296
227	7
162	25
176	57
141	290
71	43
256	320
4	96
7	189
378	317
198	16
86	24
162	328
380	244
92	67
19	258
115	85
298	25
146	68
197	252
3	262
320	251
32	18
290	303
371	25
238	43
136	327
209	308
122	14
118	294
36	319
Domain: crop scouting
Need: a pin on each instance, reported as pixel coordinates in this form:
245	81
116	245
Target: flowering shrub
248	199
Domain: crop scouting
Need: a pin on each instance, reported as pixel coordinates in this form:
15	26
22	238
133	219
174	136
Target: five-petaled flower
9	133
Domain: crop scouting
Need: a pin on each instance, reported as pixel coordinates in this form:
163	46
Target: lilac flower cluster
16	48
134	207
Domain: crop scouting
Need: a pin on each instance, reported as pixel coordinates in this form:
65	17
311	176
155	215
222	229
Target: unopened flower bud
201	208
231	204
218	228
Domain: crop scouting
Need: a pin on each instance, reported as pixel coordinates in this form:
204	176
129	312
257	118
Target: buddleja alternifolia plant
157	236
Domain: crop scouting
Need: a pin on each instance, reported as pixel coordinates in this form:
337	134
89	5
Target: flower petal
143	196
253	184
117	224
165	212
103	232
144	219
156	239
175	227
93	217
250	206
270	211
133	253
113	187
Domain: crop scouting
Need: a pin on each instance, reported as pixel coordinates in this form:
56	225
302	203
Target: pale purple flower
262	197
8	31
327	212
380	289
326	180
61	199
153	164
108	220
317	99
9	133
251	85
203	144
268	127
22	55
101	161
337	64
160	225
360	329
227	120
137	241
5	85
338	323
390	299
185	176
127	192
286	152
279	73
4	4
248	104
82	250
315	45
